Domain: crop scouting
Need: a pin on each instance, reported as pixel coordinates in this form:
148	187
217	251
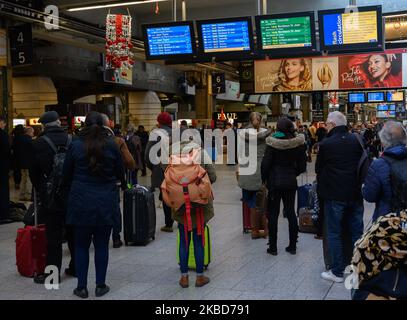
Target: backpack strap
50	143
53	146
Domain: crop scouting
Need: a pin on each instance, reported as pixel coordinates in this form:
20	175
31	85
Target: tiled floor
240	268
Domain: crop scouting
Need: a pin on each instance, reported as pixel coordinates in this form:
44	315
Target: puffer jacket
377	187
253	182
283	161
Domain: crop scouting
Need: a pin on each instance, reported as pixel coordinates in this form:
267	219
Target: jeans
288	197
184	250
339	214
84	235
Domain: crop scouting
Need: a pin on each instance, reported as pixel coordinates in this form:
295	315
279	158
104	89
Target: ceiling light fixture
112	5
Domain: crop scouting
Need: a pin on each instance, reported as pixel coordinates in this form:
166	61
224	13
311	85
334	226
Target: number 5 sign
218	83
21	48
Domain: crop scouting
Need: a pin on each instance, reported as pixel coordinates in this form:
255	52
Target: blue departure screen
356	97
225	37
375	96
169	40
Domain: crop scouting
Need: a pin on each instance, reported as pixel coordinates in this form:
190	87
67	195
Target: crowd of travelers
353	163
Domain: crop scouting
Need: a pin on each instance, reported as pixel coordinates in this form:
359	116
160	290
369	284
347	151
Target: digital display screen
350	28
386	111
356	97
17	122
375	96
395	96
228	36
169	40
286	32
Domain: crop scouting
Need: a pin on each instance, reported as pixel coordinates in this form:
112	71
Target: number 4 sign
21	47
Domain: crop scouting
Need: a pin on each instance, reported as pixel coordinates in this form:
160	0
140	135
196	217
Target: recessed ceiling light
112	5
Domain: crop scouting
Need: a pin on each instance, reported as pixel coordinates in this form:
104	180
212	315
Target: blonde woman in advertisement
294	75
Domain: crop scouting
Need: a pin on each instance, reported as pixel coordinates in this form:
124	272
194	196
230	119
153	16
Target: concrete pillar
31	95
144	108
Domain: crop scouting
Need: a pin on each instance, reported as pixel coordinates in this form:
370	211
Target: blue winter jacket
377	186
93	200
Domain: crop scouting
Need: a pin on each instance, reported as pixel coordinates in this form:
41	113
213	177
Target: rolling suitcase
191	256
31	247
247	225
139	216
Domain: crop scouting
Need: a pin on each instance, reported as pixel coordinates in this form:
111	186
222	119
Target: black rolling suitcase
139	217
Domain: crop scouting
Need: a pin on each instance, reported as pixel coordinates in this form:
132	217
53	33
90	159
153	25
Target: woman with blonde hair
294	75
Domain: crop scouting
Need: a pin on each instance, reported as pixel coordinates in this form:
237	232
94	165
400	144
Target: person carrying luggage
251	184
93	165
284	160
187	190
129	164
134	146
46	176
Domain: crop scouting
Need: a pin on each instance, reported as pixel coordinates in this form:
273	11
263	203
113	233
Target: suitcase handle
35	208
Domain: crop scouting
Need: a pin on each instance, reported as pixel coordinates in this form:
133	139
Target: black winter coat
43	157
22	151
283	161
337	166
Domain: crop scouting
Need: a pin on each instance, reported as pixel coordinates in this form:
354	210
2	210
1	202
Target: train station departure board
227	36
169	40
286	33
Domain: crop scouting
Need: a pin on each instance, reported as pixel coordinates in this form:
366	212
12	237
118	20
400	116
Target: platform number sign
21	47
218	83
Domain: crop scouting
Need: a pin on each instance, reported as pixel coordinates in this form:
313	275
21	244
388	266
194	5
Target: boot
201	281
292	247
272	249
184	282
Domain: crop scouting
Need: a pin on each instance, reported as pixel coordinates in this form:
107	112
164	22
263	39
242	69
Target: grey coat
157	169
253	182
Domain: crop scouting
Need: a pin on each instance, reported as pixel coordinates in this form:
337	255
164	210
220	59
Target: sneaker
117	244
81	293
167	229
101	290
328	275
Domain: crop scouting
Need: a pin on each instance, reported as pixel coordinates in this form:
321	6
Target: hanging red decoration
118	43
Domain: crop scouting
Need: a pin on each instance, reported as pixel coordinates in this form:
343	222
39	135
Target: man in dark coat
336	168
164	128
41	168
4	171
377	187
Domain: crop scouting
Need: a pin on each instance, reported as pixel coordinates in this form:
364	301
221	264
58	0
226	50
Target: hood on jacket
397	152
262	134
285	144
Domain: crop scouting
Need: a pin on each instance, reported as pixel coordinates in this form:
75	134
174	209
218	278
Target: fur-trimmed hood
285	144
